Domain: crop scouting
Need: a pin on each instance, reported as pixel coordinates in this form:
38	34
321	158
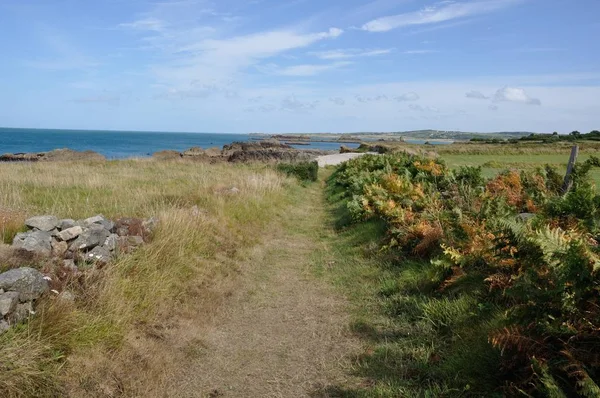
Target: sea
123	144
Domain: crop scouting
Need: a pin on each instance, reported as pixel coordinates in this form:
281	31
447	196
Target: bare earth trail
283	332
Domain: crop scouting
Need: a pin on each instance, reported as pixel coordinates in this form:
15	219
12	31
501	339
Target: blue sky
300	65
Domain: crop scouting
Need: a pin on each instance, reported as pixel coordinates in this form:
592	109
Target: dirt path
335	159
283	333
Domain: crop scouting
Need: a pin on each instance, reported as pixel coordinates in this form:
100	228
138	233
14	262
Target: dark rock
66	224
57	155
43	223
28	282
37	242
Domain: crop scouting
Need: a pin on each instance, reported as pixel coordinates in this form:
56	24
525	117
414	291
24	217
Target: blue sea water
121	144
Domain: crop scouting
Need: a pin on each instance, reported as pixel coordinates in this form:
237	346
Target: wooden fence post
568	183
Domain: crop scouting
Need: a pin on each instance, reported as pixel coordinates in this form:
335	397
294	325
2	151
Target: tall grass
113	339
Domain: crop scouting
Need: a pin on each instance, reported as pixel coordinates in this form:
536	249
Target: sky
242	66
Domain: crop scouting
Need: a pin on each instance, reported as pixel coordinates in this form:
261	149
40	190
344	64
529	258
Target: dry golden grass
117	339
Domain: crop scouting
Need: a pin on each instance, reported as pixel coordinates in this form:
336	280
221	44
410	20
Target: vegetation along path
283	332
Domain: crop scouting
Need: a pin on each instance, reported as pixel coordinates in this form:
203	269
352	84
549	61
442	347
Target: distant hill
398	135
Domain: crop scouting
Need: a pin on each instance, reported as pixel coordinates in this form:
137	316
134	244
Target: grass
113	339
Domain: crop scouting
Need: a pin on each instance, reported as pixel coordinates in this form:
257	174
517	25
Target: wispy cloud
338	101
351	53
476	95
441	12
99	99
418	52
310	69
293	104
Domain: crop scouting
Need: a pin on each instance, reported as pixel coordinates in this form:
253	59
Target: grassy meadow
121	336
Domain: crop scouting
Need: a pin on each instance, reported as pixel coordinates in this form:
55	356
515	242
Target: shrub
304	171
541	274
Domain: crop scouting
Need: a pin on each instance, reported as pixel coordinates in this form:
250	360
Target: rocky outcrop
57	155
267	151
345	149
19	289
256	151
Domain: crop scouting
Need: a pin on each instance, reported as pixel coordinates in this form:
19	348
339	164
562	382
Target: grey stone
30	283
54	232
59	248
38	242
93	236
43	223
94	220
101	220
8	302
4	326
98	254
70	233
111	242
66	224
21	313
108	225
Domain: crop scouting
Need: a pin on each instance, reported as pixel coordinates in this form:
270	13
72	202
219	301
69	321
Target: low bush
304	171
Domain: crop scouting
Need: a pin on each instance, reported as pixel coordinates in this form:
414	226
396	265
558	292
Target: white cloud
493	107
310	69
476	95
350	53
148	24
514	94
441	12
412	96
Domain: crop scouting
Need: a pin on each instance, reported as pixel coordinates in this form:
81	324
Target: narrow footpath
283	332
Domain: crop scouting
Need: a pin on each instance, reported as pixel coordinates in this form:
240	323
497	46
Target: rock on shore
57	155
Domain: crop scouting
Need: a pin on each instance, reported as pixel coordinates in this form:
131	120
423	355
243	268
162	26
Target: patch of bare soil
282	332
